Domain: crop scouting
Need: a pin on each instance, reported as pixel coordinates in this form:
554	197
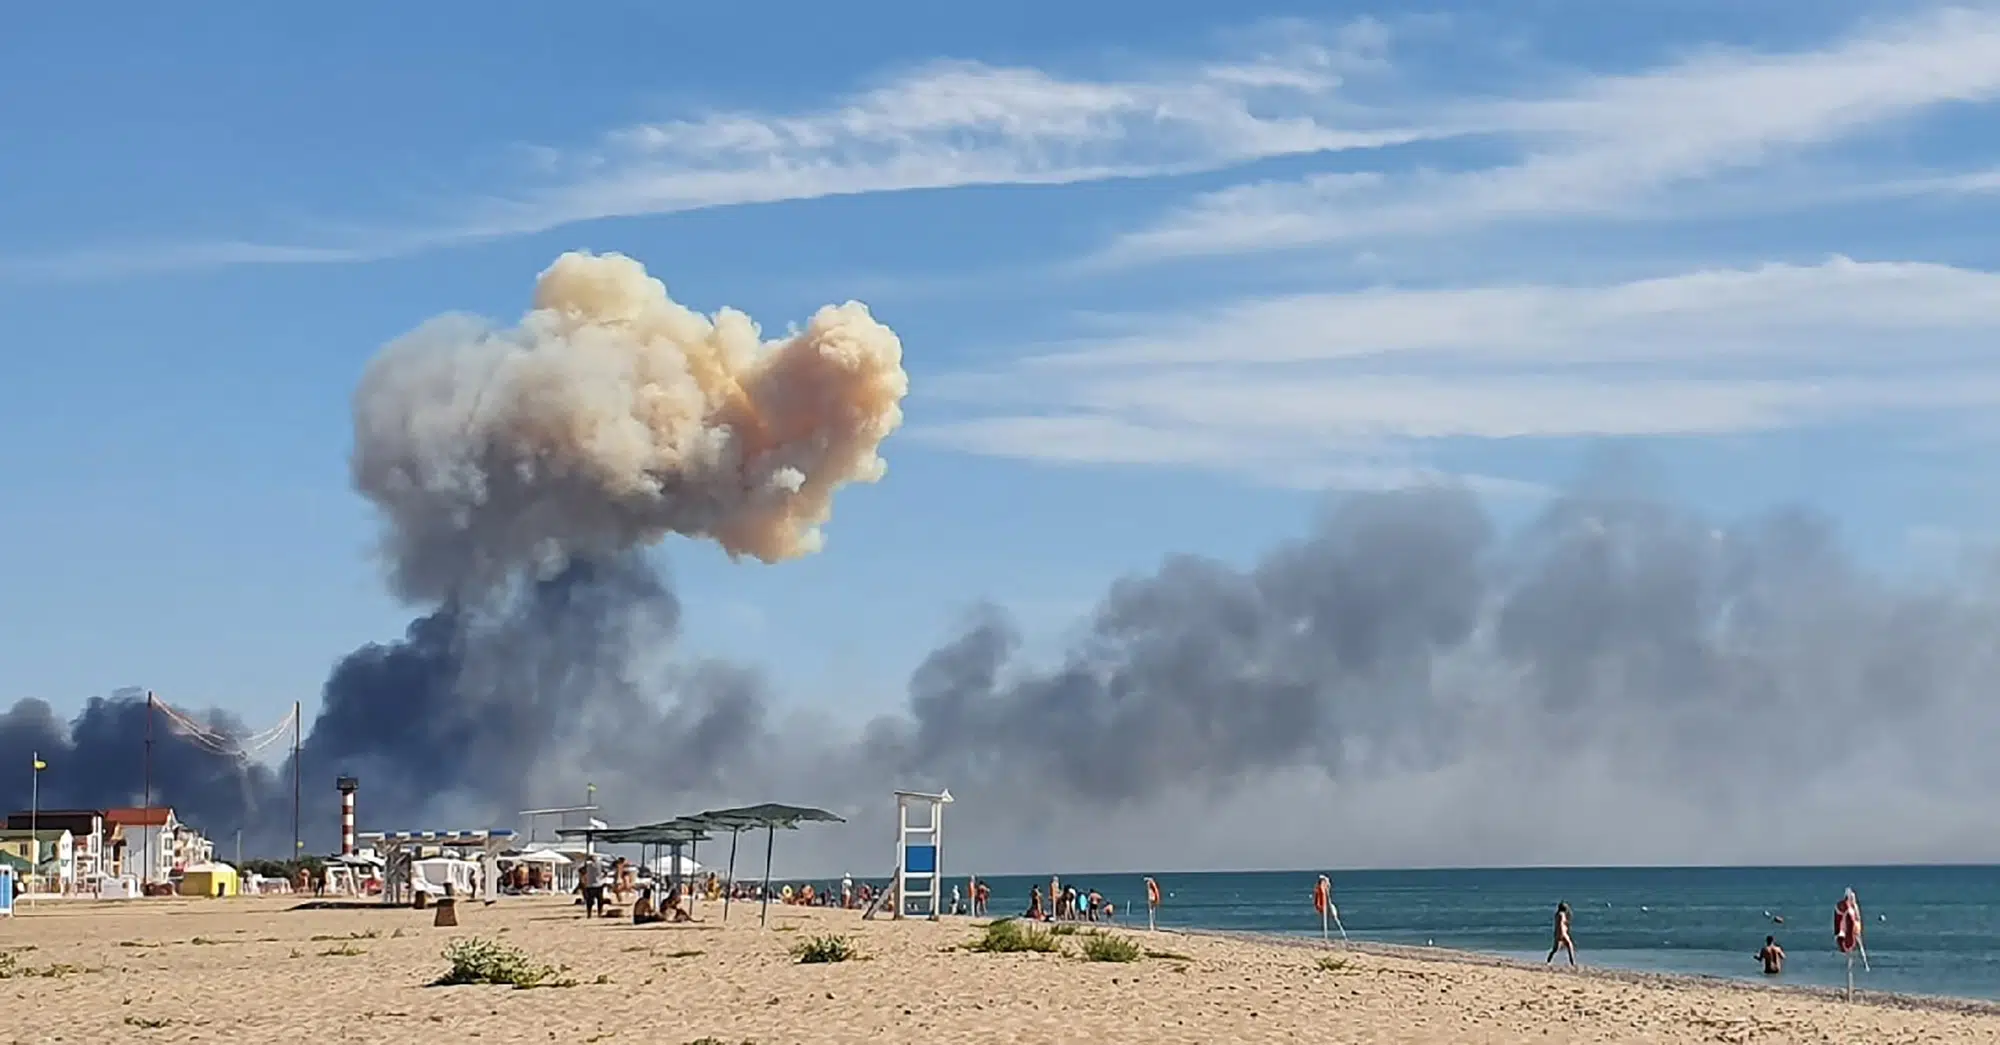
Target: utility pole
146	827
298	847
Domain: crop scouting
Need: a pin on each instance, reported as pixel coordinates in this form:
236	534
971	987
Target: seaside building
155	835
191	848
52	853
106	843
86	829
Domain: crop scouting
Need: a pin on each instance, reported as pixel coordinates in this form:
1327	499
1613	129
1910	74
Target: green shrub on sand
484	961
1012	937
1100	948
822	950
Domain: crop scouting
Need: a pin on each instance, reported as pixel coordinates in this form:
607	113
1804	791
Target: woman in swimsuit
1563	942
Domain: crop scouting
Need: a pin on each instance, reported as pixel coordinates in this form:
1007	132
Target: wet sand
257	971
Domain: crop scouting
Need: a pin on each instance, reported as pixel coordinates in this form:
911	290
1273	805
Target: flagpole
35	815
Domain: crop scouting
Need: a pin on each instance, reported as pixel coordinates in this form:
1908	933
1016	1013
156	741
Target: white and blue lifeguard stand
919	855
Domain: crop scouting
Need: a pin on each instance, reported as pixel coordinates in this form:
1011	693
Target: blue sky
1165	277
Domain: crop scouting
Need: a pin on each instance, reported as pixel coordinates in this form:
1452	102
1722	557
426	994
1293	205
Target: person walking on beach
593	886
1563	942
1773	956
980	895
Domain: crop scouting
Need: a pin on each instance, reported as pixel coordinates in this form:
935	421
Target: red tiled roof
135	817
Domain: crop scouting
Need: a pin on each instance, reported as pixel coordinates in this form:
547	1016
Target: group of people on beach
1068	904
1771	955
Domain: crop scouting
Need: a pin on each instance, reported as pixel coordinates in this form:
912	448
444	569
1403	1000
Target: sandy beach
258	971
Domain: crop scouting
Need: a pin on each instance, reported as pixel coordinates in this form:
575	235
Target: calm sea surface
1931	930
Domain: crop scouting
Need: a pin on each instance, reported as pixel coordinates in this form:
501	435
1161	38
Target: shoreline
207	970
1943	1003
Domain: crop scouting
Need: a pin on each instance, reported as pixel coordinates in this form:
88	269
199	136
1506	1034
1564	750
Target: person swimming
1773	956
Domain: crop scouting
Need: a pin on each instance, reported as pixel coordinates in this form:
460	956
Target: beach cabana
770	816
398	849
210	880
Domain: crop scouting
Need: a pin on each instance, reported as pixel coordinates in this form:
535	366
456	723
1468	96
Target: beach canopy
770	816
690	830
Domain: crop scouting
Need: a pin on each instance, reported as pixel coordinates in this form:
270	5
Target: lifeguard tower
919	855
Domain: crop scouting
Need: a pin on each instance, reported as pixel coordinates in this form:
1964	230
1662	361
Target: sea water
1930	930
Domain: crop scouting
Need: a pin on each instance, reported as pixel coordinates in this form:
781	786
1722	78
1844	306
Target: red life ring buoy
1846	927
1322	895
1152	893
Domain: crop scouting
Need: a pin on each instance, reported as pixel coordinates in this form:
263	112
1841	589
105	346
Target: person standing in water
1773	956
1563	942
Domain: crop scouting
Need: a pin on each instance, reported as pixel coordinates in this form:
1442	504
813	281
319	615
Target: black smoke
1620	680
98	759
484	708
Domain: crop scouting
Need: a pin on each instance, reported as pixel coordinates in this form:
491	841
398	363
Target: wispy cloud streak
1319	384
1614	145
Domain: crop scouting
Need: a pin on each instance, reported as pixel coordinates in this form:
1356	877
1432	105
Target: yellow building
53	854
210	880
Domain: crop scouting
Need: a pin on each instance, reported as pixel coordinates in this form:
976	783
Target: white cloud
1346	387
1859	311
1969	183
122	261
1603	145
1613	144
955	124
949	124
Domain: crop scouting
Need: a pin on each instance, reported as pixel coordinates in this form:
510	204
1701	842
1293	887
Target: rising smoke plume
1619	681
521	473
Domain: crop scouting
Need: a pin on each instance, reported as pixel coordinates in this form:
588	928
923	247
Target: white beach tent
537	856
663	866
559	864
433	875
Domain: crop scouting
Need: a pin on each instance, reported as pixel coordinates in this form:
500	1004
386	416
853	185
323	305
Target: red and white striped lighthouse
347	785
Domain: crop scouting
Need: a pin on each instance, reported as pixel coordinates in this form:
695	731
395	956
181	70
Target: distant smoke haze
1619	681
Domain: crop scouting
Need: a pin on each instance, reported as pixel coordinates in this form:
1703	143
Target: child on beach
1563	942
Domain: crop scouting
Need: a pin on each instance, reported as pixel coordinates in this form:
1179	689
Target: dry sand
256	971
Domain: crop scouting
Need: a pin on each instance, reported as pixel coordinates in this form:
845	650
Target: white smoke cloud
609	417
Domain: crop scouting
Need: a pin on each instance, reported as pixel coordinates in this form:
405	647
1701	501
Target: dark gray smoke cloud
98	759
1620	681
520	473
481	710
